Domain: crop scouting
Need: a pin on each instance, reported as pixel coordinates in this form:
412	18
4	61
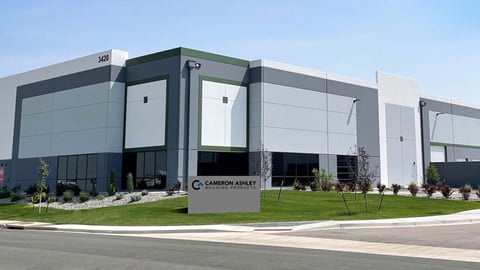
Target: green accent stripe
455	145
187	52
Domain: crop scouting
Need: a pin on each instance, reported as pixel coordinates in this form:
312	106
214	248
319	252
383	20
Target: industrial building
182	112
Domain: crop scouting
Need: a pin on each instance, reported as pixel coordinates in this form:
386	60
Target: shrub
100	197
135	198
297	185
430	189
130	182
413	188
465	190
323	180
61	188
446	191
83	197
396	188
381	188
67	196
144	192
433	177
111	186
52	199
15	197
4	192
118	197
36	197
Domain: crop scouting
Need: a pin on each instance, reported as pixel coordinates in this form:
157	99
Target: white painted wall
451	129
304	121
401	91
8	88
146	122
223	124
77	121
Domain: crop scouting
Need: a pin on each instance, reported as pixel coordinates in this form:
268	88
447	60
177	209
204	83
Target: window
290	166
222	163
77	169
151	169
346	167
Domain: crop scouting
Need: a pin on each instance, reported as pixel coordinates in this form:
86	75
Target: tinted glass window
222	163
62	168
82	167
72	168
290	166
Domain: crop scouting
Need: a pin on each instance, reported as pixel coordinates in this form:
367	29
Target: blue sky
436	42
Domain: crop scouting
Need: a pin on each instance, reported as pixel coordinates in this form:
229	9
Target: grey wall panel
27	177
408	123
31	146
366	113
118	74
395	161
291	79
472	154
36	105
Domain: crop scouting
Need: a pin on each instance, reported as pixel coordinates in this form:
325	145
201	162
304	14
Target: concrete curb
467	217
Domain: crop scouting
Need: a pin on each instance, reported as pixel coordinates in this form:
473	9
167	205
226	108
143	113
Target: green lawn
293	206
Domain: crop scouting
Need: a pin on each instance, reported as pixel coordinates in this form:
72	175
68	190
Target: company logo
197	184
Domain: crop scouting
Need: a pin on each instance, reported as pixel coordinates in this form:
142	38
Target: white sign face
223	194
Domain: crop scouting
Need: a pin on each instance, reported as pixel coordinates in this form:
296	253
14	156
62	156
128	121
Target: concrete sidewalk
467	217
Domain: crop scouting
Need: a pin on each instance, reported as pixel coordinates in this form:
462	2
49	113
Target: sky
436	42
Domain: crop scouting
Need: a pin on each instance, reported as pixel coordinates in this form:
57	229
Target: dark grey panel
107	162
457	174
25	172
6	164
291	79
189	87
367	113
438	106
74	80
118	74
255	75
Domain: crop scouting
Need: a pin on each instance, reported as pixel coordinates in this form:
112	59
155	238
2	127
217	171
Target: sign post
223	194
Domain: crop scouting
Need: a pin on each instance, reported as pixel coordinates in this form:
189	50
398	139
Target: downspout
192	65
422	104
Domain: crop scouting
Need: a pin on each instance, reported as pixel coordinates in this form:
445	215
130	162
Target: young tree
111	186
265	166
130	182
43	172
365	175
433	177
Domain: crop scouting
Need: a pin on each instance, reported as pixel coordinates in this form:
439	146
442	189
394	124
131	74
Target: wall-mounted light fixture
355	100
438	113
193	65
423	103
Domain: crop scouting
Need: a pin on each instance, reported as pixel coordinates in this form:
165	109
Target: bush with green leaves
130	182
62	187
433	177
4	192
52	198
135	197
100	197
83	197
111	186
67	196
323	180
36	197
17	188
